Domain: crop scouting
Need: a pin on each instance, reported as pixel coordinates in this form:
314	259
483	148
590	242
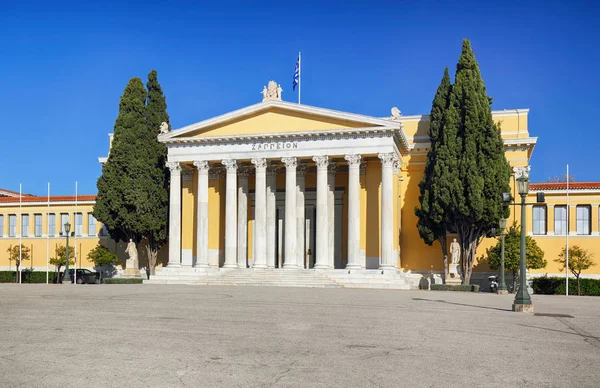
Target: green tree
119	198
102	257
483	173
579	260
435	186
155	214
59	258
512	254
18	256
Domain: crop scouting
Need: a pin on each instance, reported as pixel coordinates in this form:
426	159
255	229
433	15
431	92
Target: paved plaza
194	336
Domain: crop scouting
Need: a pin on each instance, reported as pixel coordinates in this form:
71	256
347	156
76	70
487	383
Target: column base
260	266
203	265
227	265
321	266
522	308
290	266
174	265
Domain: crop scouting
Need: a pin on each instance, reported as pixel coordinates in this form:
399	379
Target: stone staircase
394	280
243	277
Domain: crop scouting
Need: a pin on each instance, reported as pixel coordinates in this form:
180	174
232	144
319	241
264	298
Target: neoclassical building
284	185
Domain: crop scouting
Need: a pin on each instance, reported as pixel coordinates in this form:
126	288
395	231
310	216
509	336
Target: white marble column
291	255
271	237
300	187
322	259
331	170
260	214
387	260
353	211
202	215
175	215
242	218
230	213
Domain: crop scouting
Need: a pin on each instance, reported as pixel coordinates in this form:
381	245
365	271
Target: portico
282	185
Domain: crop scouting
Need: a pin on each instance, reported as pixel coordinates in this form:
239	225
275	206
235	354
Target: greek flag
296	74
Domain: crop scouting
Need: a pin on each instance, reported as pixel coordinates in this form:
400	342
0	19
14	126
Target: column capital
353	160
202	166
243	171
259	163
230	165
301	170
215	173
321	161
175	167
387	160
363	168
332	168
187	174
290	162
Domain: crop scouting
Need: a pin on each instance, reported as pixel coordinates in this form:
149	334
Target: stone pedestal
522	308
454	276
132	269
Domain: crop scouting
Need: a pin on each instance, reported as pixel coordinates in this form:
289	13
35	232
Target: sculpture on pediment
272	91
396	114
164	127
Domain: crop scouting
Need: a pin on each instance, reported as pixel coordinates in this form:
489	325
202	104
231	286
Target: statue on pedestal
454	276
132	264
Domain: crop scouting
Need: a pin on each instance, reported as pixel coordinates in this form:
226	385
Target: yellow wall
276	120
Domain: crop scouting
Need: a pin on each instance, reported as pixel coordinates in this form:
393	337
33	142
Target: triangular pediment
276	117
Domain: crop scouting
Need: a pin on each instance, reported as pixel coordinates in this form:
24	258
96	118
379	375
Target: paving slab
219	336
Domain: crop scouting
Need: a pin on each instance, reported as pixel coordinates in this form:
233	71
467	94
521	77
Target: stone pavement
194	336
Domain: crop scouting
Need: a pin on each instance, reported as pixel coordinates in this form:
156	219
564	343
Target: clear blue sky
63	67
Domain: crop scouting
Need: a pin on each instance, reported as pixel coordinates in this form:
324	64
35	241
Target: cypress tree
434	193
118	199
155	218
483	172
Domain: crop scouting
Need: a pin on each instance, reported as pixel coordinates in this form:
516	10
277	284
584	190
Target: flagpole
299	75
48	234
21	233
75	249
567	240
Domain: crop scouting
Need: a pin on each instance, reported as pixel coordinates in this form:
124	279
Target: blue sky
63	67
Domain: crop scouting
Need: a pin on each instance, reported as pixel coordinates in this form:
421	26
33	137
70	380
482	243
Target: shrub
123	281
556	286
27	276
460	287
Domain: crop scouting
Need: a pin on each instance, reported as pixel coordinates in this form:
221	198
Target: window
583	220
103	231
91	225
1	225
51	225
12	225
38	226
539	220
560	220
78	224
63	220
25	225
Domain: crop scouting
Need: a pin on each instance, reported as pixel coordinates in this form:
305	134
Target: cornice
495	113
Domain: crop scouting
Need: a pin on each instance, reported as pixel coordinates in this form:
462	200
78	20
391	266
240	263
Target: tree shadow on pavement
461	304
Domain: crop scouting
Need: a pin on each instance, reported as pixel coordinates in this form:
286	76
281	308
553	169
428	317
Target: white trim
103	159
563	191
45	203
495	113
265	105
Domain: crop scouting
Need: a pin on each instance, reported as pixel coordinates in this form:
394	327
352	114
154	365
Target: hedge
27	276
123	281
556	286
460	287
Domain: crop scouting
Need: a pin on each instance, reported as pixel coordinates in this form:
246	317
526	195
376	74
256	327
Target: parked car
85	276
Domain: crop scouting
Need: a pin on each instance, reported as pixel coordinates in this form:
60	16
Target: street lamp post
502	286
66	276
522	301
